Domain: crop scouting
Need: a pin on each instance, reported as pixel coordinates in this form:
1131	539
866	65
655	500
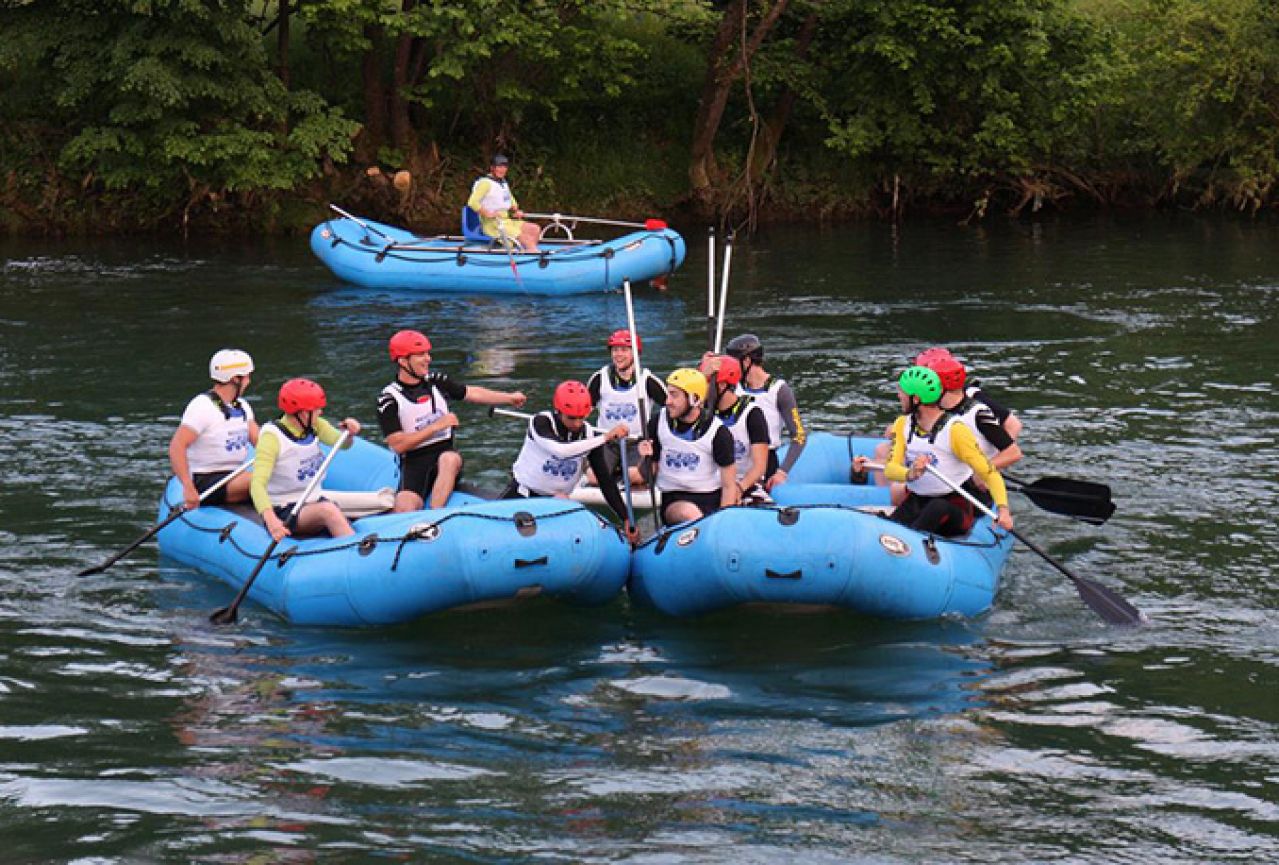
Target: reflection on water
1141	354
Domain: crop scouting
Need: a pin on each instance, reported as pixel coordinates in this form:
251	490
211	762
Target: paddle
227	615
1083	500
648	224
523	415
506	241
1103	601
174	512
650	476
626	486
710	290
723	293
367	228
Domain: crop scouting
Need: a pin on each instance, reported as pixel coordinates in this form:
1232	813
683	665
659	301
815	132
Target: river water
1139	352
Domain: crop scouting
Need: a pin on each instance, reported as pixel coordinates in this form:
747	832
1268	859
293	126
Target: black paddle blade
1082	500
88	572
224	616
1108	604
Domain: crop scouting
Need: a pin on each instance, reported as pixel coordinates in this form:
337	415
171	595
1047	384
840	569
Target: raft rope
665	534
227	534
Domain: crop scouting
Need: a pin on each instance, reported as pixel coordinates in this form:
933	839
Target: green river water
1139	352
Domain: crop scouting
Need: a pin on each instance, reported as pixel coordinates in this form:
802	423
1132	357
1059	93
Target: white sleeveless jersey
498	196
742	440
766	399
687	466
940	456
222	433
621	405
415	416
296	465
542	471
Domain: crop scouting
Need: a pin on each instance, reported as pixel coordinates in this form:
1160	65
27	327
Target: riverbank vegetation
156	115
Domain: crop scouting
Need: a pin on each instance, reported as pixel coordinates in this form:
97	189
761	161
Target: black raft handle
529	563
790	575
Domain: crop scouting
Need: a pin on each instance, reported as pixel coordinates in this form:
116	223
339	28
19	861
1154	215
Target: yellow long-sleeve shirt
268	449
494	226
962	442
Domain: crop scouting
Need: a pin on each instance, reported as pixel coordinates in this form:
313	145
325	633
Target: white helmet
228	363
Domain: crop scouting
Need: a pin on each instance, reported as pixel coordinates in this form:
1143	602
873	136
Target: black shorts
708	502
204	480
418	474
282	511
612	456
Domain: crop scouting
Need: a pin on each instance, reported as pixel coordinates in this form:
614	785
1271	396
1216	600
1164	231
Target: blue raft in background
376	255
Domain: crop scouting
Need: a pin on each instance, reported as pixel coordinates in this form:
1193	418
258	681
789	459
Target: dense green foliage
124	114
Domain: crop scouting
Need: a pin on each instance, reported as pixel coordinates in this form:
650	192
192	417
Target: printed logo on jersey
560	468
427	419
739	450
618	412
681	461
237	440
308	466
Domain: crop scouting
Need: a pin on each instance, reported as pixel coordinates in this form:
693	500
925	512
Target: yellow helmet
690	381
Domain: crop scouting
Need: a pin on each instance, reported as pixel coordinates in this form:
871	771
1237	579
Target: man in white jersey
500	214
692	450
613	392
745	421
976	411
776	398
215	432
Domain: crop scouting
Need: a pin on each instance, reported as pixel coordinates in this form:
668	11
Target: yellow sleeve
268	449
895	469
478	192
964	443
326	432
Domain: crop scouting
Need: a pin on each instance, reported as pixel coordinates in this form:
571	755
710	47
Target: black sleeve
543	426
991	429
388	414
608	486
723	447
655	389
454	390
1001	413
593	387
757	428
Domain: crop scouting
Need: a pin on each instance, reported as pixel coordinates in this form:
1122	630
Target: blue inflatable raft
825	545
399	567
375	255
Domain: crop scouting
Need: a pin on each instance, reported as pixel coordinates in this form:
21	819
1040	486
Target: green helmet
922	382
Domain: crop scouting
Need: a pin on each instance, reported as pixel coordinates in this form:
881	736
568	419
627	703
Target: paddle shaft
559	217
510	254
174	513
359	222
723	294
1106	603
626	484
227	615
642	396
710	289
523	415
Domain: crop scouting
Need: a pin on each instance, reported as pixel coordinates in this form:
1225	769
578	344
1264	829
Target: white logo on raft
894	545
686	538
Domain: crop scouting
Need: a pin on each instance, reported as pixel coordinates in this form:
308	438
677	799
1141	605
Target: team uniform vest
298	461
967	412
415	416
225	444
766	399
687	464
498	196
736	424
620	405
937	447
542	471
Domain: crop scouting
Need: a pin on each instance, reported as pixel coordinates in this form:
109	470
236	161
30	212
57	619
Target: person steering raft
289	455
500	214
928	435
557	448
692	451
214	434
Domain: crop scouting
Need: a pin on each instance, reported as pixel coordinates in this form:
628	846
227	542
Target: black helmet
746	345
499	159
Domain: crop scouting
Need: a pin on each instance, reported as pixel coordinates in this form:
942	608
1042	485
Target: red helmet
928	355
408	342
623	338
730	370
950	371
301	394
572	399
